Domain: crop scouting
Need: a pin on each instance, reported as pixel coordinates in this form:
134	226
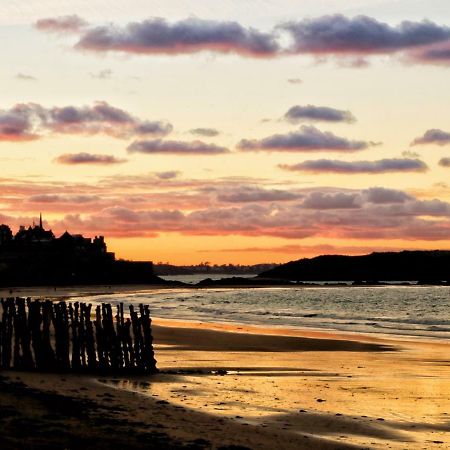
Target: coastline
56	292
260	388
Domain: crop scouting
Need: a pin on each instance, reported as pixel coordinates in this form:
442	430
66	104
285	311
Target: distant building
5	235
34	256
37	239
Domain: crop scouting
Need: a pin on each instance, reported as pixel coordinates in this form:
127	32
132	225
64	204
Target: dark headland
420	266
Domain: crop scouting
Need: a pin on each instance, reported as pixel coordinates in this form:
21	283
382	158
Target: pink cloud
32	121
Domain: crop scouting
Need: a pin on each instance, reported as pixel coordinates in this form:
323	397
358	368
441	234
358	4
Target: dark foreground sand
235	387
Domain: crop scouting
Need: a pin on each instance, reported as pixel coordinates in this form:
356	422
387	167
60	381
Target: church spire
40	221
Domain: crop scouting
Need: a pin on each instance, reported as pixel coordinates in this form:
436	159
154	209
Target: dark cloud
380	195
25	77
206	132
444	162
103	118
176	147
246	194
62	25
318	113
32	121
308	138
148	128
168	175
155	36
433	136
339	200
434	208
337	34
439	54
88	158
346	40
16	124
345	167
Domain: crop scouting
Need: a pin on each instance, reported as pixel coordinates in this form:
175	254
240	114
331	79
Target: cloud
145	205
294	80
346	40
175	147
103	118
438	54
16	125
104	74
25	77
206	132
246	194
54	198
318	113
88	158
307	139
340	200
340	214
410	154
369	167
62	24
148	128
360	35
380	195
444	162
157	36
169	175
30	121
433	136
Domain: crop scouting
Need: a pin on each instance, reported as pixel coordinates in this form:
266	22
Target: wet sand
224	386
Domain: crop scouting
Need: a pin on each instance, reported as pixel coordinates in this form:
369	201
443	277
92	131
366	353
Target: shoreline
84	292
96	289
223	385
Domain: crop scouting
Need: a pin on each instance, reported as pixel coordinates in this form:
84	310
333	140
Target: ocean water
193	279
401	310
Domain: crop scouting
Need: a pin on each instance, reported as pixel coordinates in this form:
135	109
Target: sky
230	132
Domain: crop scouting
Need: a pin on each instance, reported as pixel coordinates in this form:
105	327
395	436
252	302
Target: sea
420	311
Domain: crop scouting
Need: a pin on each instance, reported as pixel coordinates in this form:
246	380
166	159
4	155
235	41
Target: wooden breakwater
62	337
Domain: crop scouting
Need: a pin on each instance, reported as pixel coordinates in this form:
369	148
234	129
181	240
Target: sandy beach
230	386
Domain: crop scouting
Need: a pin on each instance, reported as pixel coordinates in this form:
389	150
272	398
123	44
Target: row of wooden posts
48	336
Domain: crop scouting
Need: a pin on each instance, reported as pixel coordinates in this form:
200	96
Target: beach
242	386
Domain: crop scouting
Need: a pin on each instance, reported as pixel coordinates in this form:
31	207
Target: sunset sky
239	131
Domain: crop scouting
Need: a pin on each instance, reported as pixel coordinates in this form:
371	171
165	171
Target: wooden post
137	335
47	349
55	336
34	323
90	342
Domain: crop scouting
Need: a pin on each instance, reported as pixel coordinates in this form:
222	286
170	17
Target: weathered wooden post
137	338
34	323
47	349
73	315
90	342
27	357
53	336
149	359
